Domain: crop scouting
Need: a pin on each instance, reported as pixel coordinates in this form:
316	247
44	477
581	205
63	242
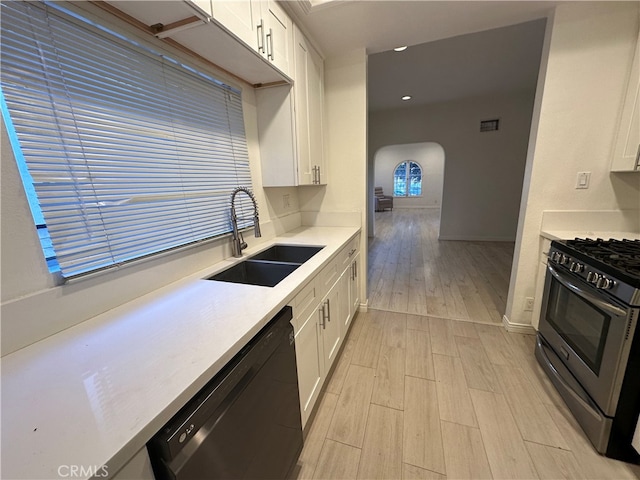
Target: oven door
589	332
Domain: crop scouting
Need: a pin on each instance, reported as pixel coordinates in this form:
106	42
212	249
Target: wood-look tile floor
416	396
411	271
420	397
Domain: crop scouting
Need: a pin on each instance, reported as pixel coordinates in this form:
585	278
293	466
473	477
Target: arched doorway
429	155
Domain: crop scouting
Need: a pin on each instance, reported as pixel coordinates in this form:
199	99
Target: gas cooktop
622	255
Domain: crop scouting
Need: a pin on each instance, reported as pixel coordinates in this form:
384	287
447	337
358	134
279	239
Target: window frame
407	177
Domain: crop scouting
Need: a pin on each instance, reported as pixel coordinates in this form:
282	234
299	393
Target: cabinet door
626	156
344	307
315	93
310	364
242	19
331	330
301	89
278	32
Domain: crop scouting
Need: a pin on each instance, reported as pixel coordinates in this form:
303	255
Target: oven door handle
598	302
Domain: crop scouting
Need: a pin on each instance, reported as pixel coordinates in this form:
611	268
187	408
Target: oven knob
605	283
576	267
592	277
555	256
564	260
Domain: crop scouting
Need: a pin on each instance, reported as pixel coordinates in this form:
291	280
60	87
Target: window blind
128	151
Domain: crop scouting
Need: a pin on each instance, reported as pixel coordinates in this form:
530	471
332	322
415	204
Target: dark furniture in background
382	201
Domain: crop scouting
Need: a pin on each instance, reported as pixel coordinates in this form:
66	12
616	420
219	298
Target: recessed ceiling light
400	49
406	97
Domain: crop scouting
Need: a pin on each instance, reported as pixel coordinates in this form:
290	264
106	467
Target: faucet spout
237	243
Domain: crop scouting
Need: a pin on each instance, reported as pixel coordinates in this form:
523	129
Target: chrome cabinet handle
260	31
322	316
270	54
355	268
328	310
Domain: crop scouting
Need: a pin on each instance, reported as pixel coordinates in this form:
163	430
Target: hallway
411	271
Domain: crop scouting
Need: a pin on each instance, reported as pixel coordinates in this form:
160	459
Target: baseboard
364	306
467	238
518	327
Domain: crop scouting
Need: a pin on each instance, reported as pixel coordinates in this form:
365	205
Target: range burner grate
623	255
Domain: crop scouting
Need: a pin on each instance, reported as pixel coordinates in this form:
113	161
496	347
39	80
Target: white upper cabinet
626	154
262	25
309	105
230	34
290	123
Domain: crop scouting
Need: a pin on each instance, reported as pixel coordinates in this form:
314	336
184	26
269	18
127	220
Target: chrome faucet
237	243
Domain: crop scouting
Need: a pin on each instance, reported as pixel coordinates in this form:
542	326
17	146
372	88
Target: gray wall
483	172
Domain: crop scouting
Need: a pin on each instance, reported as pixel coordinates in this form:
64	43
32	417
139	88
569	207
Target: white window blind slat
129	152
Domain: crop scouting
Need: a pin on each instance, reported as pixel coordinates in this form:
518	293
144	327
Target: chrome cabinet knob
576	267
604	283
592	277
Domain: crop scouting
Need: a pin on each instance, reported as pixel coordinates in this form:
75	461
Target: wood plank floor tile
418	322
464	452
531	416
411	472
554	463
454	401
442	342
594	465
464	329
495	345
382	450
422	439
367	348
310	454
395	329
478	370
350	416
388	389
506	452
337	461
419	361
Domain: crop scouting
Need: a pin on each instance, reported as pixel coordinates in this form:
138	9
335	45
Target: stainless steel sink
287	253
256	272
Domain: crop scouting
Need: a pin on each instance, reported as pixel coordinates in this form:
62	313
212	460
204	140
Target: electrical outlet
286	202
528	304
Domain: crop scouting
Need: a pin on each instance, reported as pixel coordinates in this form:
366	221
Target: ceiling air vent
490	125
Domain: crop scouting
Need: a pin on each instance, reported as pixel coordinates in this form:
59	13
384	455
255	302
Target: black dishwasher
245	423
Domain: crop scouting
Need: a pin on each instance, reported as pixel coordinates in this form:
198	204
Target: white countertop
94	394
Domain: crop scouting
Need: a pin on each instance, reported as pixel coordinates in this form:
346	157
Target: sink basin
287	253
256	272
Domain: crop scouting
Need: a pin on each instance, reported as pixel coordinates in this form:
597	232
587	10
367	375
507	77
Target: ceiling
456	48
477	64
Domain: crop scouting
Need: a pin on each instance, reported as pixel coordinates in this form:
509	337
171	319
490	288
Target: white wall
430	157
34	306
589	48
483	171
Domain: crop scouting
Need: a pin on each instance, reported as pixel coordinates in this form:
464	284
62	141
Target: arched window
407	180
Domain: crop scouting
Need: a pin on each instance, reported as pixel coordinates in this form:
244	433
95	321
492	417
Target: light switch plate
583	179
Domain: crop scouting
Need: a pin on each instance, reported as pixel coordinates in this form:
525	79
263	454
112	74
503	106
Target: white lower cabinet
322	311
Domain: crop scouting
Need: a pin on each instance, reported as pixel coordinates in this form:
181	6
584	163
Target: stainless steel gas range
589	340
